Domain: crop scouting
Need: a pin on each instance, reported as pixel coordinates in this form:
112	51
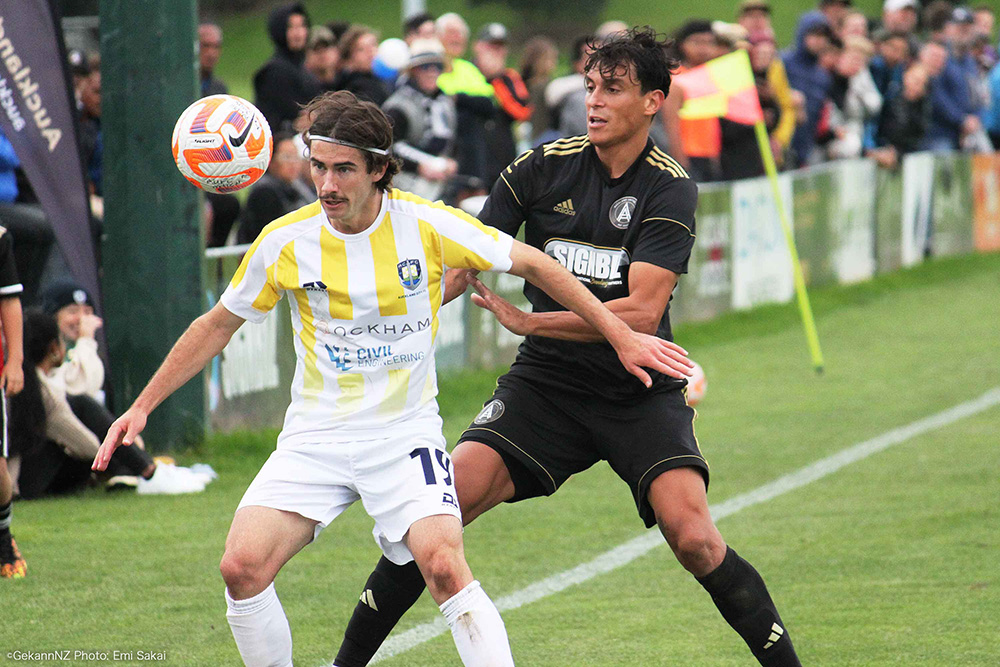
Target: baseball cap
896	5
962	15
492	32
64	294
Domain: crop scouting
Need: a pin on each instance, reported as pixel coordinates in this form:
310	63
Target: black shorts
545	436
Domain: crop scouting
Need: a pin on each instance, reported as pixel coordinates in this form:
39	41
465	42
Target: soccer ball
696	385
222	143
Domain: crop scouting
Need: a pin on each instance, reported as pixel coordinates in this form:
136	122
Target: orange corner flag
721	88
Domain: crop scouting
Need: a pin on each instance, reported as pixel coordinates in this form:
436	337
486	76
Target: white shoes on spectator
169	479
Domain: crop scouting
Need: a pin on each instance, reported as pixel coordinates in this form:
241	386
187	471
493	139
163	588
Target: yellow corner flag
725	88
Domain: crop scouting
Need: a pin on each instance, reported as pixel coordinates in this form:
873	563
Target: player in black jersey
619	214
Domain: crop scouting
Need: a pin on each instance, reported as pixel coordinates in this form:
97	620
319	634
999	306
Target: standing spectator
88	92
209	50
26	224
992	121
954	110
807	75
755	16
904	118
538	62
564	96
890	61
778	100
275	194
694	143
322	56
358	48
12	564
855	24
222	209
474	101
900	16
490	51
856	100
423	123
282	84
419	26
831	11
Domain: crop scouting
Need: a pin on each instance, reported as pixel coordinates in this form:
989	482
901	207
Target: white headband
340	142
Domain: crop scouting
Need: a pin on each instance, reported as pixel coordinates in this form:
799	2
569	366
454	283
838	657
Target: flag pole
805	310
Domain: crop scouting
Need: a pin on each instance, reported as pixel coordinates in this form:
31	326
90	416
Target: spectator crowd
921	76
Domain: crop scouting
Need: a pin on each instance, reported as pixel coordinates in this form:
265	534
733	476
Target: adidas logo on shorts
566	208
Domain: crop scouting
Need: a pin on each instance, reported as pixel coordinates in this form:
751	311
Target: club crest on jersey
621	212
409	273
490	412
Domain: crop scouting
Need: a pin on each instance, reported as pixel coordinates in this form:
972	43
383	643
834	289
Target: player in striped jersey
364	270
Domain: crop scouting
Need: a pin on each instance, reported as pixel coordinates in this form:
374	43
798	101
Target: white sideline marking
639	546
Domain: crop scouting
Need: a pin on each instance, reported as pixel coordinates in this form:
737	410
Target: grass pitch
890	561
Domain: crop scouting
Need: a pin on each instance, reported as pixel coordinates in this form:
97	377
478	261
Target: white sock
478	630
260	629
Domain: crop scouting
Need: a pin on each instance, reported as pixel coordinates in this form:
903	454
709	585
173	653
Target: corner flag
725	88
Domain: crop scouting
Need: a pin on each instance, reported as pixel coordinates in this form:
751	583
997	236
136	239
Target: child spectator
12	564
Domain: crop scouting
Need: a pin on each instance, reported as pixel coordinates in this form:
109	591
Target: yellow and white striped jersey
364	310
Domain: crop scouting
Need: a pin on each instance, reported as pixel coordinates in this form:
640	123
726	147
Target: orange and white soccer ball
222	143
697	384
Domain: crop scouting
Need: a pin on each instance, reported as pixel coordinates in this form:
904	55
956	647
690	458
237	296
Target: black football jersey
597	227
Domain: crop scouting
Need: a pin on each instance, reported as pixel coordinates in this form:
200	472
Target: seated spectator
322	56
358	48
513	104
856	100
52	450
538	62
30	230
276	193
904	119
209	50
564	96
807	75
82	371
424	120
282	85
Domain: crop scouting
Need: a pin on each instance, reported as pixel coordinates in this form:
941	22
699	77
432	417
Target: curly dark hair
643	48
341	115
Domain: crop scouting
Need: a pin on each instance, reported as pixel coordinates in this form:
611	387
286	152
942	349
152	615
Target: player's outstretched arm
205	338
635	350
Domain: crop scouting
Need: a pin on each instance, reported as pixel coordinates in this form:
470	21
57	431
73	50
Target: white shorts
399	480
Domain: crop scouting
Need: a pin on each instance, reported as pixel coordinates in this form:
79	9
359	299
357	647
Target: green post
152	247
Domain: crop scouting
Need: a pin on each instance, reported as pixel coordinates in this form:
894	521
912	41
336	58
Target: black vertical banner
38	115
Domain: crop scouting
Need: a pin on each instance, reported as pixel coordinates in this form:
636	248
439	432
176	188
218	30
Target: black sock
5	514
742	598
389	592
